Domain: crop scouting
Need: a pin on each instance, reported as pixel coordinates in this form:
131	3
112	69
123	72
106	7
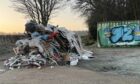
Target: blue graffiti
128	35
124	33
116	34
121	34
137	33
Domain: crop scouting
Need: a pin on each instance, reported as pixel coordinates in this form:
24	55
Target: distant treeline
10	39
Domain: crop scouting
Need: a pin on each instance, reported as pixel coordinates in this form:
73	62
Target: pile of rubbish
49	46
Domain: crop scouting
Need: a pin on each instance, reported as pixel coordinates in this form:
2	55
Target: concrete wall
124	33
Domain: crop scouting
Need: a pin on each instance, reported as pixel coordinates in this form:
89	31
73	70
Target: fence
121	33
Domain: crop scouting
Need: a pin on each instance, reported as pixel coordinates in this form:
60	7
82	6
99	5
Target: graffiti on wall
123	33
119	33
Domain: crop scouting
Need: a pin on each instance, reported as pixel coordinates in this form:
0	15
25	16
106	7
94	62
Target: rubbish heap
49	46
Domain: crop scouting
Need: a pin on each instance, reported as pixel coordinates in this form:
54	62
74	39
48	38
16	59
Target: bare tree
38	10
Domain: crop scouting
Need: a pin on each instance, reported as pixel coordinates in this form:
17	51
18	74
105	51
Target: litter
48	45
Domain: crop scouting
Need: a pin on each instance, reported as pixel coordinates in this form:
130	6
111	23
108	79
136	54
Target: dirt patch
124	61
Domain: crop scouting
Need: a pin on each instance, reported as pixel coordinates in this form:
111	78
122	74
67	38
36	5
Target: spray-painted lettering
121	34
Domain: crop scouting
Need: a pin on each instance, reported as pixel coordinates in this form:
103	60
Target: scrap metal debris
48	45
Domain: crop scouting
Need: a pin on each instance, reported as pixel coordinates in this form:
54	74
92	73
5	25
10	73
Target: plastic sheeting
58	47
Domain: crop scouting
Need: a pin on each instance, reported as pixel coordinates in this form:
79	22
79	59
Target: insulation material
48	45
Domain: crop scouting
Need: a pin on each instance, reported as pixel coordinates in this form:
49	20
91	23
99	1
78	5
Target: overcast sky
12	21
